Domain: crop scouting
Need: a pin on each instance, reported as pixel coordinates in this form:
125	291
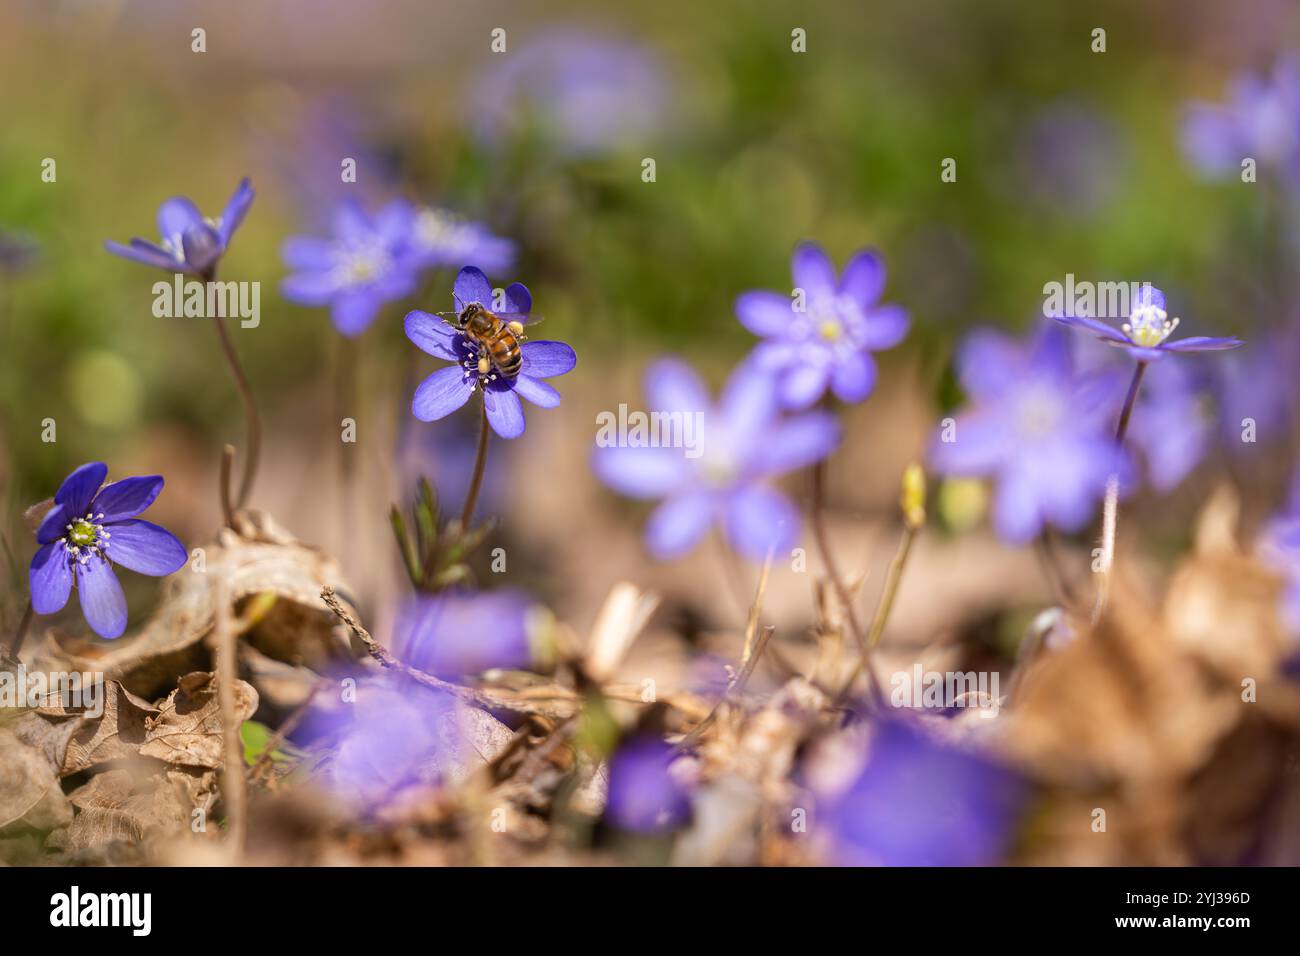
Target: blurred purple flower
1256	390
743	442
449	388
1260	120
643	796
367	262
189	242
17	251
1278	545
1035	426
1144	335
442	239
91	528
395	734
578	92
920	802
1171	426
457	634
828	339
1067	157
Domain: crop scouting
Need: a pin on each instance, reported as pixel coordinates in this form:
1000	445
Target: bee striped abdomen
506	355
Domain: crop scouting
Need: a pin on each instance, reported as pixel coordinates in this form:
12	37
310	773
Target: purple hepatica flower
739	445
449	388
370	260
643	795
1261	121
581	93
828	338
1147	330
91	528
189	242
396	735
1034	425
458	634
920	802
441	239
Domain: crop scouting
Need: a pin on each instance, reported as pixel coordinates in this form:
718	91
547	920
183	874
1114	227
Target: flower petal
885	327
144	547
178	216
78	489
235	210
801	385
677	525
308	252
1203	343
50	578
1094	326
812	270
505	414
432	335
127	498
202	247
312	287
765	313
547	359
1016	513
471	285
518	299
760	519
853	377
641	472
796	443
536	391
353	311
52	525
863	278
672	386
442	393
145	253
102	601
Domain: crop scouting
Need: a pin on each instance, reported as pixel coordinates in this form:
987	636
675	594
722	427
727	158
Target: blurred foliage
760	147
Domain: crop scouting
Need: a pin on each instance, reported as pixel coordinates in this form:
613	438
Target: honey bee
497	334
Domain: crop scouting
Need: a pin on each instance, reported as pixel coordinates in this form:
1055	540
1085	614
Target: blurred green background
1067	161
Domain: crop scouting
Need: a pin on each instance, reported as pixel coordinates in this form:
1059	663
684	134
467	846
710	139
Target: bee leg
484	365
516	327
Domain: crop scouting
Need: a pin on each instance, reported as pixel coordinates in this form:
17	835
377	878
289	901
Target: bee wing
523	318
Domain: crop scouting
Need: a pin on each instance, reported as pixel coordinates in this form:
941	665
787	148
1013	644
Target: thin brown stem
832	571
254	423
227	466
21	633
480	464
1110	509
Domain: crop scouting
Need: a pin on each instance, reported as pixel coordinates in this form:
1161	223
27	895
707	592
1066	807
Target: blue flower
449	388
369	261
395	736
827	339
1144	336
91	528
1256	390
920	802
189	242
742	443
441	239
643	795
458	634
1036	427
1171	426
1261	120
